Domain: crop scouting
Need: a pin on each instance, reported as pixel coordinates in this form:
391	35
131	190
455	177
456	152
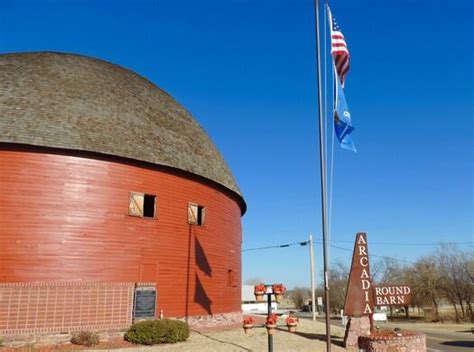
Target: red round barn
107	183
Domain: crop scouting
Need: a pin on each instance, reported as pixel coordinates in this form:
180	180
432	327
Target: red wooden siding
65	218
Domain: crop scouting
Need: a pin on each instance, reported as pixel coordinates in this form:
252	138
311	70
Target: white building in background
249	305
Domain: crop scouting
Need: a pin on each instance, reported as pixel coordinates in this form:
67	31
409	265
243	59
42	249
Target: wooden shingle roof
79	103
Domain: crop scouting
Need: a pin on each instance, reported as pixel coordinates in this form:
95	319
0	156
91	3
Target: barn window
142	205
196	214
231	280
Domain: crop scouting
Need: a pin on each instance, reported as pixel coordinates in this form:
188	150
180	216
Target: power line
319	241
405	243
371	255
372	243
277	246
377	243
304	243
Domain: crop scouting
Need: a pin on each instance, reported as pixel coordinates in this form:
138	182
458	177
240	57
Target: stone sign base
381	342
356	327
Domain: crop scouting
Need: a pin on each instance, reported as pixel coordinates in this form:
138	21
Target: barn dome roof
79	103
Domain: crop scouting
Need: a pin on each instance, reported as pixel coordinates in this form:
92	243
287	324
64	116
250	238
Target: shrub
85	338
153	332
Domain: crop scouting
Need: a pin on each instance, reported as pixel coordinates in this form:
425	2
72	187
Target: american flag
339	49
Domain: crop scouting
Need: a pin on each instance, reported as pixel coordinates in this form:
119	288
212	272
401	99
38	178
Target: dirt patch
117	343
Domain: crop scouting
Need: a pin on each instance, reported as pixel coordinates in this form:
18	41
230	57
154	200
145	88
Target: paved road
443	340
436	339
449	341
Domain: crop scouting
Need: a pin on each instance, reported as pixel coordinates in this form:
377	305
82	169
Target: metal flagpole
322	162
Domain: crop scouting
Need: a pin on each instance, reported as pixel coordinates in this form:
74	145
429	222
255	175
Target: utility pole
311	260
322	163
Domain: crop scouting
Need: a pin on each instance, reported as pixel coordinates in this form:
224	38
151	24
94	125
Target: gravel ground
309	337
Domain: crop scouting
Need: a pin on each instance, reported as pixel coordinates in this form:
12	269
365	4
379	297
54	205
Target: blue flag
342	118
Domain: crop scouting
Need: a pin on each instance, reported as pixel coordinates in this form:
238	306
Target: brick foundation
51	339
49	313
32	308
209	322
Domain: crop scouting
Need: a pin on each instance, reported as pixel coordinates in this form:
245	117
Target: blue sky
246	71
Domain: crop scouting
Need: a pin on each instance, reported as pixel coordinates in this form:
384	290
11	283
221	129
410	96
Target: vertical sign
359	295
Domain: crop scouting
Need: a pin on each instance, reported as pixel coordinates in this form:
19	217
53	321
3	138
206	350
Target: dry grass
309	337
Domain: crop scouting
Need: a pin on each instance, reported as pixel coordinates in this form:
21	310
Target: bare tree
468	272
299	296
389	271
456	284
424	278
338	276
